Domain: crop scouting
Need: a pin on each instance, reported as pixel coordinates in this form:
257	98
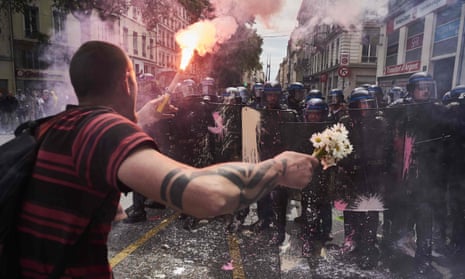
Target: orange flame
200	36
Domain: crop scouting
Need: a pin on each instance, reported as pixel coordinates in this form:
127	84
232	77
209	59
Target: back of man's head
96	67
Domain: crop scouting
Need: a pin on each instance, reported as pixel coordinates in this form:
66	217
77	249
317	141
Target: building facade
36	46
423	36
332	56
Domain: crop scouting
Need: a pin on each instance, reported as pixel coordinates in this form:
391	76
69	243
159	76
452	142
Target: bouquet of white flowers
331	145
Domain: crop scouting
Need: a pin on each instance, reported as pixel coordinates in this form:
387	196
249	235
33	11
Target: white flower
317	140
340	129
331	145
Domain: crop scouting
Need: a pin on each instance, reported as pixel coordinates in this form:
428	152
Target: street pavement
5	137
162	248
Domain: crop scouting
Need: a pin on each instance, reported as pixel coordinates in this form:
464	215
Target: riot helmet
458	93
316	110
421	86
446	98
257	89
335	96
188	88
314	93
395	93
377	93
272	91
231	95
365	85
360	102
207	86
296	91
243	94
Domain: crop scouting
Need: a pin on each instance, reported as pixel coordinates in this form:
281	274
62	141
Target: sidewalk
5	137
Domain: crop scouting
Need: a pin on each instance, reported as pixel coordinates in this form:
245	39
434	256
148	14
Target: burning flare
203	36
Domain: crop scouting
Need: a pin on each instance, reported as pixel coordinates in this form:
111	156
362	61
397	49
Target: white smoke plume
244	10
230	13
347	14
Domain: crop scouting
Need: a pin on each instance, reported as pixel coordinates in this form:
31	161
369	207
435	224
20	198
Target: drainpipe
12	49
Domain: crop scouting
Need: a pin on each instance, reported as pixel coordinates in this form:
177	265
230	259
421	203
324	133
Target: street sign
344	59
343	71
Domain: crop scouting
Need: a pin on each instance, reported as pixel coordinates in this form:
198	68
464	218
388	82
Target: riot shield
227	132
296	135
271	139
186	137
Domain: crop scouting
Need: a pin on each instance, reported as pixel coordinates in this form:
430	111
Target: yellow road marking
235	253
136	244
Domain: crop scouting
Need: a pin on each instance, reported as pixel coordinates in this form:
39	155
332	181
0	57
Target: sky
276	35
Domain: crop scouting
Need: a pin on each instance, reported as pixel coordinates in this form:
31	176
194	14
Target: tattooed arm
214	190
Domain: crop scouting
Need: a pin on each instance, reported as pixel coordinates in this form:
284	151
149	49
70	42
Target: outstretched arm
214	190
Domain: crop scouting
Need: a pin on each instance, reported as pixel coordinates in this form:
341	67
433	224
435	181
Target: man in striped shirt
94	151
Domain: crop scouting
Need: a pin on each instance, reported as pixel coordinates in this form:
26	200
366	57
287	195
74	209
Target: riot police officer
418	195
364	176
295	99
257	92
190	140
273	207
378	95
395	93
455	175
314	93
337	104
316	202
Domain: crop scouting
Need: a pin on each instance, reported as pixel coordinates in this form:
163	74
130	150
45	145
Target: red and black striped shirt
75	191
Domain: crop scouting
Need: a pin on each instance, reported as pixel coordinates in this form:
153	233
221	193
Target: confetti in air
366	203
219	128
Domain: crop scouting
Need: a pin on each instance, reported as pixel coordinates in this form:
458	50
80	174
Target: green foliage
83	8
15	5
235	57
153	11
197	8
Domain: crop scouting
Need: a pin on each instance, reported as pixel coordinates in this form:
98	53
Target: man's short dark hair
95	67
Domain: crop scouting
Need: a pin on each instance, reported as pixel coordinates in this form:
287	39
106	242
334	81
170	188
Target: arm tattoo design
249	179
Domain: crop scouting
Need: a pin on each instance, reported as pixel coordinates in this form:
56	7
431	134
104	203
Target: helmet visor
424	90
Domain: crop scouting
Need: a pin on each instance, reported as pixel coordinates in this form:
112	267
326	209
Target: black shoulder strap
30	126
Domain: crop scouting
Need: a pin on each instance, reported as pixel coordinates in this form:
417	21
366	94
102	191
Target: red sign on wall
402	68
344	59
323	77
415	42
343	71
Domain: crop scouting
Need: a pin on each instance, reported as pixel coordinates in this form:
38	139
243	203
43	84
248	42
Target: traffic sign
343	71
344	59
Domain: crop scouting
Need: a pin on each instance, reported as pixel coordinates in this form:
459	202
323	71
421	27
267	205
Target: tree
237	56
18	6
82	9
198	8
154	11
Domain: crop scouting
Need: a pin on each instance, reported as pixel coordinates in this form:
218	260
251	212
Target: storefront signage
37	74
402	68
446	31
418	11
415	42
